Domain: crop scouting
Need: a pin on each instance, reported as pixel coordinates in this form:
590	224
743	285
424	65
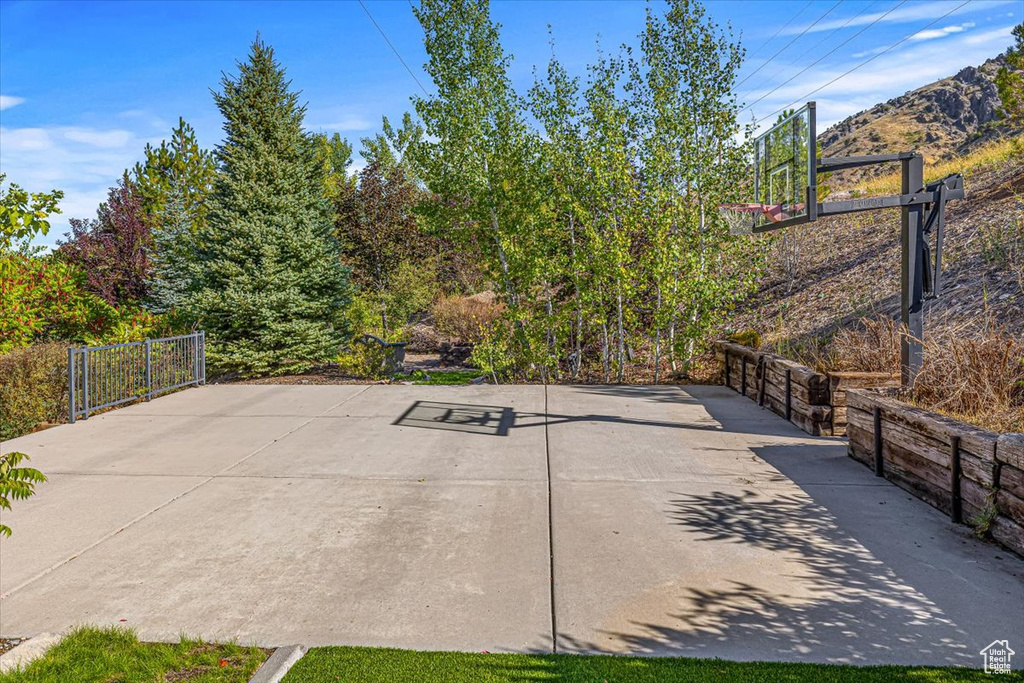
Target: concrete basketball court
646	520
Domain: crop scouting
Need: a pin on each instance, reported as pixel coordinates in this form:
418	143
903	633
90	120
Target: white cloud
105	139
340	119
999	34
83	162
37	139
8	101
910	12
882	79
24	140
931	34
145	117
872	51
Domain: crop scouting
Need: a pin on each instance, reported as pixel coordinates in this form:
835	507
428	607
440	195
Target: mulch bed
704	371
326	376
333	375
8	644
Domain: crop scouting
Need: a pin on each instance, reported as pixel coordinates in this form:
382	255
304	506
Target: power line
799	35
781	29
866	61
824	40
385	37
824	56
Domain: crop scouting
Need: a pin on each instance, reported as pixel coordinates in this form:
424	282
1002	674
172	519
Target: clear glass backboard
785	161
785	177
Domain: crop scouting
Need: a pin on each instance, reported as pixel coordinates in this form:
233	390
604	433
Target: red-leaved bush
112	250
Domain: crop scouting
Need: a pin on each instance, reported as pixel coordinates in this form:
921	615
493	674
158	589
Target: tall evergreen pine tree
172	256
271	287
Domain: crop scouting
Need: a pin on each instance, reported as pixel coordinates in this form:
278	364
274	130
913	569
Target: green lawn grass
359	665
115	655
447	377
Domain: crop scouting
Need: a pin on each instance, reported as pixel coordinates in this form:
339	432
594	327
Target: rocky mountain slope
829	274
948	118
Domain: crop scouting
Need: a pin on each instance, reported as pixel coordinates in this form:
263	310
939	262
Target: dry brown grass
873	346
973	375
978	380
983	158
812	350
466	318
1002	243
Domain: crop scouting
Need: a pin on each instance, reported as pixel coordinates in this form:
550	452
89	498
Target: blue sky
84	85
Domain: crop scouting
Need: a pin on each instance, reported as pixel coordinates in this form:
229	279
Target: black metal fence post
85	383
911	273
149	373
71	385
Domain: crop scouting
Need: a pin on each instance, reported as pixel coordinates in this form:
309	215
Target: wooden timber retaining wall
813	401
974	475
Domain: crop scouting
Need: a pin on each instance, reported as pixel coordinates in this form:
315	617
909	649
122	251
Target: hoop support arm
942	192
826	164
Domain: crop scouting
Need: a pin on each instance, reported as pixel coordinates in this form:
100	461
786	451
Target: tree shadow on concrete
835	602
982	586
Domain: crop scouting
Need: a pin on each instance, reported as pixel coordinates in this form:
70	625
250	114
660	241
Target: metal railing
107	376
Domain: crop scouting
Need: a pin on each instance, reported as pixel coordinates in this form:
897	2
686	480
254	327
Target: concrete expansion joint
551	529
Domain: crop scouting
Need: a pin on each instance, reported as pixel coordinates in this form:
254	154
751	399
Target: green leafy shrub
33	388
364	360
43	298
24	215
751	338
131	325
411	290
16	483
362	314
494	350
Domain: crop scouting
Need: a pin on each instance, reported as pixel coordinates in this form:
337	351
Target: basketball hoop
785	167
738	219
